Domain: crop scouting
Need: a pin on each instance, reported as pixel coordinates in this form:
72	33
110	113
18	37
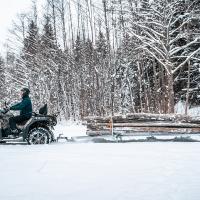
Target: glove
5	110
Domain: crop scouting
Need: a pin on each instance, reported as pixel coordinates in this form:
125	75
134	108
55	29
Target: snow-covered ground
69	129
180	109
89	171
84	170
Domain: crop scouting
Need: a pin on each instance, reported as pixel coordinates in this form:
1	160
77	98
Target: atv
36	130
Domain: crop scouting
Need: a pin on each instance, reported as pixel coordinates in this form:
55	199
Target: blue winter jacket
25	107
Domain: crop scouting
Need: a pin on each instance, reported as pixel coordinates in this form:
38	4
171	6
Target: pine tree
103	75
27	67
49	67
78	70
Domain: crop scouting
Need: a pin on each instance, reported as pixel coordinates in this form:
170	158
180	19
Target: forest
101	58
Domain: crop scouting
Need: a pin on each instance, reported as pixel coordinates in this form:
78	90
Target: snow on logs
142	122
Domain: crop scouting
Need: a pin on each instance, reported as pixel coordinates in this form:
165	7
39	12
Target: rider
25	107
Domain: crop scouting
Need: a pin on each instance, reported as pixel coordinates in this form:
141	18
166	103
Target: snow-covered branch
188	58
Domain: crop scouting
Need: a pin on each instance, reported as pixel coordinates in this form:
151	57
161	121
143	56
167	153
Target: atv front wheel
38	135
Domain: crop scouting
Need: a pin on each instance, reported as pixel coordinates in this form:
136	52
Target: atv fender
34	123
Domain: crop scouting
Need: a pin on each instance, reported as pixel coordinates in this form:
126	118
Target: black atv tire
38	135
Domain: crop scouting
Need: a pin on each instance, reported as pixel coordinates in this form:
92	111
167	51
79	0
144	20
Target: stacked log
143	122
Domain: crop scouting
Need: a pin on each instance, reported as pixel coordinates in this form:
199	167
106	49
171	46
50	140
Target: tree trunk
170	93
188	88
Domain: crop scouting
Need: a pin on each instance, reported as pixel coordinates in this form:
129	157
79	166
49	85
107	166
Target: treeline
86	58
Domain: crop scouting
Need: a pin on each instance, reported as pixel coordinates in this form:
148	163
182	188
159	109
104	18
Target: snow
70	129
85	170
180	109
88	171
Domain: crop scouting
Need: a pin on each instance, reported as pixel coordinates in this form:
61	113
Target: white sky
8	11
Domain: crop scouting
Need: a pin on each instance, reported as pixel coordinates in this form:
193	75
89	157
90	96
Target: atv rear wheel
38	135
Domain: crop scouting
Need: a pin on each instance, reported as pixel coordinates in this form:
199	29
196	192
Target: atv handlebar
4	110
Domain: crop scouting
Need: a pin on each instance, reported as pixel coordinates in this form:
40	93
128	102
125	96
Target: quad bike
36	130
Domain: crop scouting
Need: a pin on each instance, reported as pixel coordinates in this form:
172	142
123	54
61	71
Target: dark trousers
17	119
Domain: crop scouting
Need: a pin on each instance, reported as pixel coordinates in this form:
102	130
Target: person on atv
25	107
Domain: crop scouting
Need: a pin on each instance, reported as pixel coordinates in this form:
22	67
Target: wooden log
136	116
146	130
144	122
147	124
98	127
159	129
144	117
